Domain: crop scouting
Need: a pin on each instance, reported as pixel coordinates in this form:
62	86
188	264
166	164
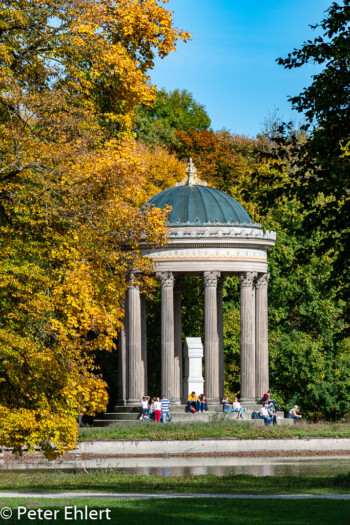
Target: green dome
200	205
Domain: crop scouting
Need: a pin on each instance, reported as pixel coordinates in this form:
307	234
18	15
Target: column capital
211	278
247	279
262	280
132	279
167	279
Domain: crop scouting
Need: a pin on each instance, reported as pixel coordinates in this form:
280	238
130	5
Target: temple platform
128	415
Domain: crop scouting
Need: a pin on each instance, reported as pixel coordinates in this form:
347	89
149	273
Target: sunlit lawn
112	481
217	429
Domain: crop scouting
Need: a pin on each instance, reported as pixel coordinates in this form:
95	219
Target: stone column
144	344
221	337
211	342
247	282
122	360
136	377
261	337
167	334
178	376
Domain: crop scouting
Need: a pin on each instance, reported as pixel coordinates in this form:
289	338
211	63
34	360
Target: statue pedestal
193	353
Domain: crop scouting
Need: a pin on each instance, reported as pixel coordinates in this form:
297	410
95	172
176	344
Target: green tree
309	349
321	162
171	111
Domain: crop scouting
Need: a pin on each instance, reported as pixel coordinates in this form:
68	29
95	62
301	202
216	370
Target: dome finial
191	179
191	173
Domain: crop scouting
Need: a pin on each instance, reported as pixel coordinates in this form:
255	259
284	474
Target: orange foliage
220	158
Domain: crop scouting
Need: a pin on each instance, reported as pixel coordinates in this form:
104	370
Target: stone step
120	418
188	420
175	413
133	413
182	420
127	409
285	421
183	408
125	416
134	417
116	423
114	416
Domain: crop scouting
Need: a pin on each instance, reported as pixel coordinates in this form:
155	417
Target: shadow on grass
203	512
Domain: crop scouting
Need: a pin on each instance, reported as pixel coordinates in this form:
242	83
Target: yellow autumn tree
71	181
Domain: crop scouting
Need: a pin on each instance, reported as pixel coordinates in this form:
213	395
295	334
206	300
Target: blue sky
230	67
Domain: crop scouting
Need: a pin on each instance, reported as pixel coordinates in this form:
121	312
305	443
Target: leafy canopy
71	182
321	163
309	350
171	111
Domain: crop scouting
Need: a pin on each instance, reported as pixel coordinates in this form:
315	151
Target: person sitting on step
144	407
294	414
205	401
271	410
202	403
192	403
226	405
236	405
266	398
264	414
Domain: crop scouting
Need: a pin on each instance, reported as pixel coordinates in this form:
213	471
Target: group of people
197	403
159	409
268	414
269	410
156	409
236	407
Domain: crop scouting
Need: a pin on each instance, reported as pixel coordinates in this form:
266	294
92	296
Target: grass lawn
219	429
192	511
111	481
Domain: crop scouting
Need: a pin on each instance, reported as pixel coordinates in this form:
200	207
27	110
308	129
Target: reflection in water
180	466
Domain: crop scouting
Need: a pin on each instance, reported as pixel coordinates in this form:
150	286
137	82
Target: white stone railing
241	233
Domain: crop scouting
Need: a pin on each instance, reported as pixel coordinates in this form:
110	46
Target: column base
213	400
133	403
247	401
175	401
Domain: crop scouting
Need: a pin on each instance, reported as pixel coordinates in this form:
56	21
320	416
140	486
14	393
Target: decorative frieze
248	233
217	251
211	278
167	279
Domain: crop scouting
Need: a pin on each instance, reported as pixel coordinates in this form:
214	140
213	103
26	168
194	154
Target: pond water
218	466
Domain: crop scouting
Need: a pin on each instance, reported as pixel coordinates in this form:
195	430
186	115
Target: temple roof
194	203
